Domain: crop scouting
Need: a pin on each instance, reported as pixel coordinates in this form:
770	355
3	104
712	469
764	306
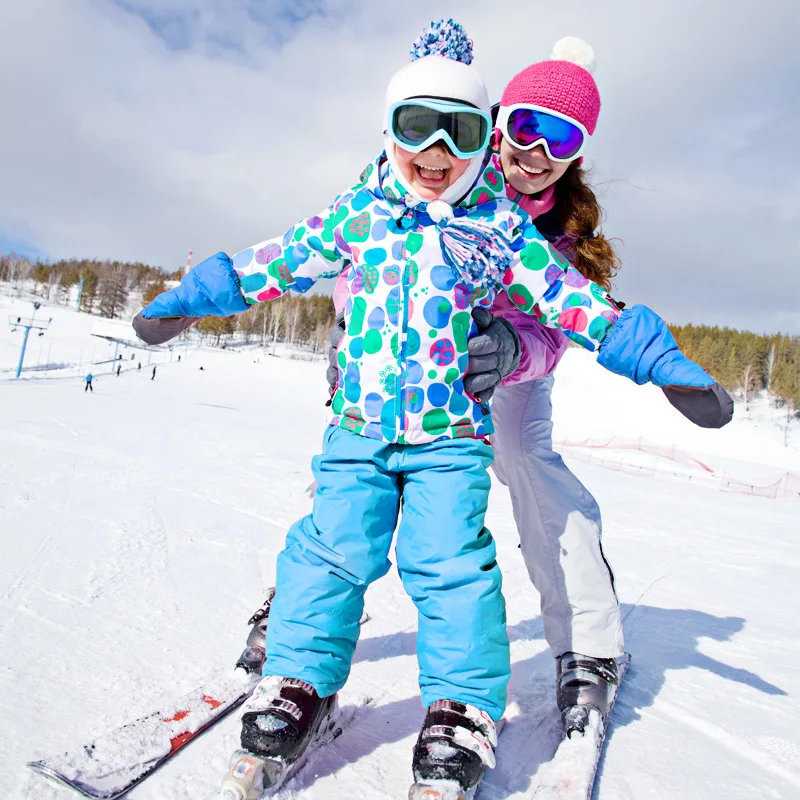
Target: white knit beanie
438	76
441	69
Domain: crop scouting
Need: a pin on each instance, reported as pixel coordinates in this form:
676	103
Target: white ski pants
559	526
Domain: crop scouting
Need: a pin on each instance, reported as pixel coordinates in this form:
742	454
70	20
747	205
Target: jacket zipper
403	346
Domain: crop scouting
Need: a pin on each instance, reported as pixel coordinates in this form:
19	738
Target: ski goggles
416	124
525	127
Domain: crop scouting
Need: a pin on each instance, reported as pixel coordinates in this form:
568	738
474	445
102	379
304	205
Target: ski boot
253	656
585	683
282	720
455	746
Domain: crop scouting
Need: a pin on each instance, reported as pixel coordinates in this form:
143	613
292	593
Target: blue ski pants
445	556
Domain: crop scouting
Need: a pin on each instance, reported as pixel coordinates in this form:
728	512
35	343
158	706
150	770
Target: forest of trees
113	289
107	285
742	362
295	319
745	362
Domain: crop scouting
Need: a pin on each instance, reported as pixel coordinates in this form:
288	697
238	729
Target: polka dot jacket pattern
404	354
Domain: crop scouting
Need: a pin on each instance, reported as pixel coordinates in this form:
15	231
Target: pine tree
68	277
41	274
786	373
152	290
217	326
89	291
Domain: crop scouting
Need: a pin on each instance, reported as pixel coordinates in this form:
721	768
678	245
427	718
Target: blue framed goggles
418	123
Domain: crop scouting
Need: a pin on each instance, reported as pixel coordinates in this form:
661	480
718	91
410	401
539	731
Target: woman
548	112
558	520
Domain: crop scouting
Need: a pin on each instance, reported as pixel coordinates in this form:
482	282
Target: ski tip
44	769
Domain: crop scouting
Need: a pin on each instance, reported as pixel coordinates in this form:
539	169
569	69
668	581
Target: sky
140	129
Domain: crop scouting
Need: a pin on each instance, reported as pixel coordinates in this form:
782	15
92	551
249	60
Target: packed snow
139	527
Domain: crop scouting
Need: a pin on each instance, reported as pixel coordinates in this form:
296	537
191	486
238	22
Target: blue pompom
444	37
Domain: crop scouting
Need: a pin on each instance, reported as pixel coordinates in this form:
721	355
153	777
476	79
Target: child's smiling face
430	171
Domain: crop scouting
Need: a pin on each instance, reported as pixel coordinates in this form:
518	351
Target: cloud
138	129
222	26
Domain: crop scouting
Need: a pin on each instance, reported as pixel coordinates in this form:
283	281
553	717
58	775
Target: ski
570	774
109	766
112	764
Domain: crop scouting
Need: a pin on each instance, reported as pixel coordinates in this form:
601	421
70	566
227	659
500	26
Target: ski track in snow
740	748
139	528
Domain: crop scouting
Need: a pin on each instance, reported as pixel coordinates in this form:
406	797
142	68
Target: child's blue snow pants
445	557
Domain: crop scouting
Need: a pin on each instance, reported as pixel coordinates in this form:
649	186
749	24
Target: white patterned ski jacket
407	315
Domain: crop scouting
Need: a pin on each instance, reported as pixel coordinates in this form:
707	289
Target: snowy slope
139	528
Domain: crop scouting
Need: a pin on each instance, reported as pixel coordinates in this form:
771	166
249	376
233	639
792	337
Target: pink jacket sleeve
542	347
340	290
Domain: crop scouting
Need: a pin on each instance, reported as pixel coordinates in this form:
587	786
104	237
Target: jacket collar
378	179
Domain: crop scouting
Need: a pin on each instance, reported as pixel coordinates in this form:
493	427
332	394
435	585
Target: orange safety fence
670	452
596	451
742	487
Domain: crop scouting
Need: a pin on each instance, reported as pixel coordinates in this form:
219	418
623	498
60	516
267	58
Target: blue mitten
211	289
641	347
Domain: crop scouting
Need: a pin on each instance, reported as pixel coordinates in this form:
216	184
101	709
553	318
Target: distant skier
119	369
153	376
139	368
88	387
179	358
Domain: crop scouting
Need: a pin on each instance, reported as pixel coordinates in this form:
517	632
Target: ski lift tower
28	323
118	333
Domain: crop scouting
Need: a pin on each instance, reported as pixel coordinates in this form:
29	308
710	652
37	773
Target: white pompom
575	50
439	210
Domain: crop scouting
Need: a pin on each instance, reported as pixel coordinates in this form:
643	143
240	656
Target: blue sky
140	129
10	244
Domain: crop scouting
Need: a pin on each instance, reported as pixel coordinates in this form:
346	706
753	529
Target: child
429	234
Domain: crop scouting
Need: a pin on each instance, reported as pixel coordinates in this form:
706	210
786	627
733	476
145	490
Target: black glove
706	406
493	354
337	334
159	330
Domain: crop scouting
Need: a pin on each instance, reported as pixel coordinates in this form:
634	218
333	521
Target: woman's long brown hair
580	214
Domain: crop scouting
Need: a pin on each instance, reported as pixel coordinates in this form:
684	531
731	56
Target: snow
139	527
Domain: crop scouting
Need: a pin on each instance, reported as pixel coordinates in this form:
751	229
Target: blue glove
211	289
640	346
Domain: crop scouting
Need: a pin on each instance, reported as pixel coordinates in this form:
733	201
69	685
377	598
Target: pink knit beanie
564	83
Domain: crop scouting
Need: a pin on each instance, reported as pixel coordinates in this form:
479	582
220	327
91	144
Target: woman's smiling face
529	171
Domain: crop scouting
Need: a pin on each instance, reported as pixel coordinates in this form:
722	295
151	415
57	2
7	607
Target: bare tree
114	289
748	378
769	365
276	320
293	311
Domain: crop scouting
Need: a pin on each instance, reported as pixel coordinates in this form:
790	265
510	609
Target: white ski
109	766
570	774
112	764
